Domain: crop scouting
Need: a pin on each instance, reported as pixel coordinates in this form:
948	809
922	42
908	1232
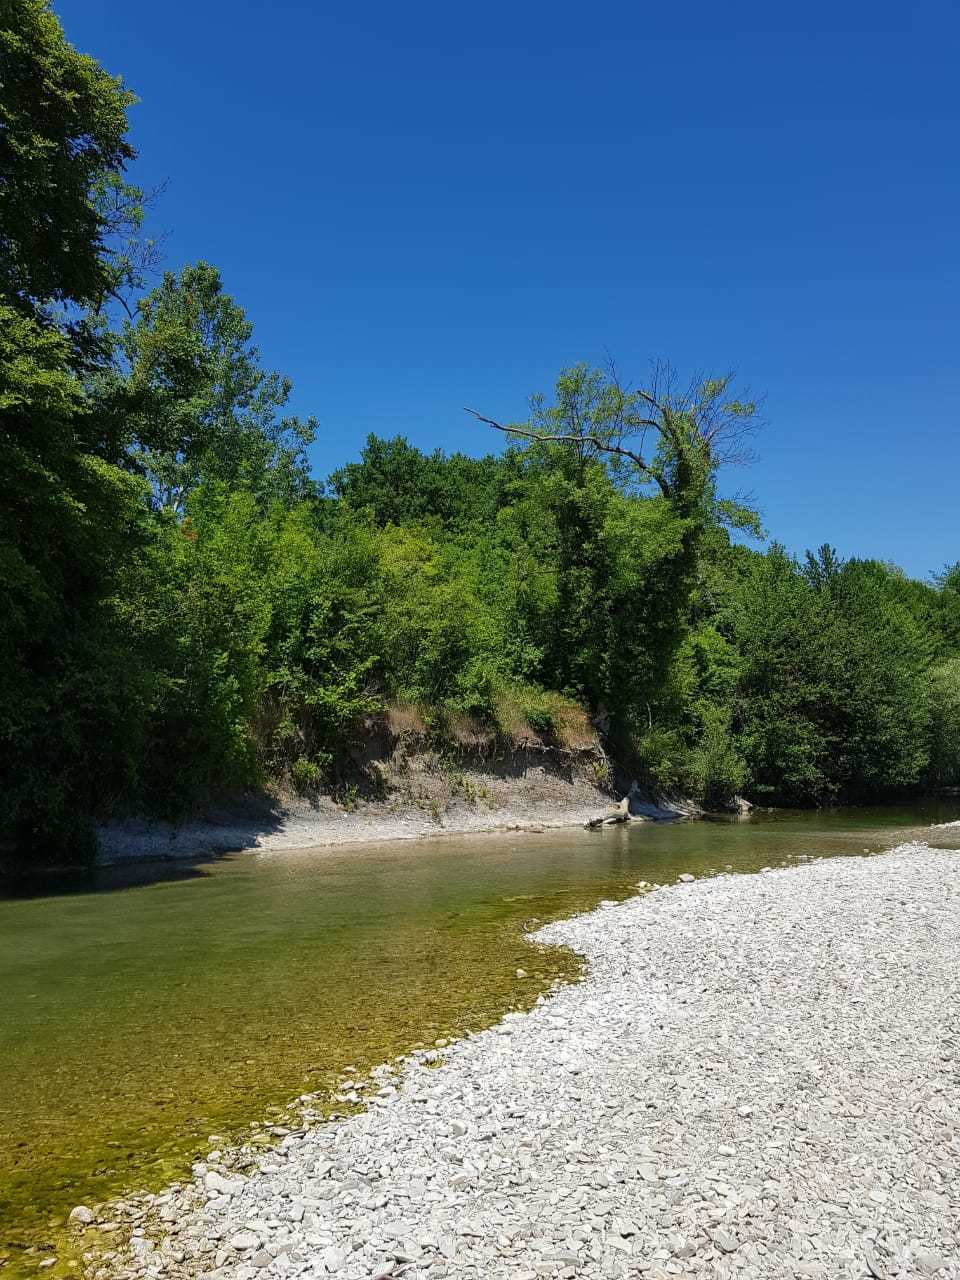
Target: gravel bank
137	840
422	801
758	1077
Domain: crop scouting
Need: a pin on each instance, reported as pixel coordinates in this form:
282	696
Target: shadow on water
155	1004
85	880
237	826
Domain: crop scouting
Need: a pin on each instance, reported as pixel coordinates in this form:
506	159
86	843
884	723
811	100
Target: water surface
147	1008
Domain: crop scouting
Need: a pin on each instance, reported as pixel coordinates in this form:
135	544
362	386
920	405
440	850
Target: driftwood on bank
661	808
619	813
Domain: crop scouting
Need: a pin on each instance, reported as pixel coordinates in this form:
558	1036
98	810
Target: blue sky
429	205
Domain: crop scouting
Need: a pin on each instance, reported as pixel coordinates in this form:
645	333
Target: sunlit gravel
759	1076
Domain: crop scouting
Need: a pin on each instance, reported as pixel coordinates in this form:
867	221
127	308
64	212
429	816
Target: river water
144	1009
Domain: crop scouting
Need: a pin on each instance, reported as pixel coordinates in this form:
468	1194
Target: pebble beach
758	1076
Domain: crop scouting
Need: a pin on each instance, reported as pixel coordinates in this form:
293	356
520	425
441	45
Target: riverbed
148	1008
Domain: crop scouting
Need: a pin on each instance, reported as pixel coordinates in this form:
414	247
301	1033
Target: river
144	1009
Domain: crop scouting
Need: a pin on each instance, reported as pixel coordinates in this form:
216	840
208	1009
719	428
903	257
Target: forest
189	612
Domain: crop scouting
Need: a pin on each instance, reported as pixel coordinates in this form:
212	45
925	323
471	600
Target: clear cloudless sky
428	205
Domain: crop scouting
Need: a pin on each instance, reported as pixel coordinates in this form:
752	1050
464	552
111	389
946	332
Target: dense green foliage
186	612
63	124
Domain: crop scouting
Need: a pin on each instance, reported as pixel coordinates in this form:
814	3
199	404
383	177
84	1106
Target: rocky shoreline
533	795
757	1077
421	800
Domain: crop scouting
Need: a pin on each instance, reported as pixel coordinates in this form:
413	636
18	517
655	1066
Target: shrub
305	775
945	724
528	716
715	772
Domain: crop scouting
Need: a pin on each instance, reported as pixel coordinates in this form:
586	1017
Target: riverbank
426	797
757	1077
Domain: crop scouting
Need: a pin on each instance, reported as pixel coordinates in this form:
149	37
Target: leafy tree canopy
63	150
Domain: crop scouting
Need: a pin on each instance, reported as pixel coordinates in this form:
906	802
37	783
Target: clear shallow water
149	1007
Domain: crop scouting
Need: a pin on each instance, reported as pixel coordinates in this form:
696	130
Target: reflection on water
147	1008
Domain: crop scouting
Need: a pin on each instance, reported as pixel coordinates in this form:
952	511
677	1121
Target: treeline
186	611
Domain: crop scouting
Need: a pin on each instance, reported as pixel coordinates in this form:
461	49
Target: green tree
205	619
623	616
63	149
776	623
398	483
876	707
324	665
945	724
71	522
948	584
832	698
190	402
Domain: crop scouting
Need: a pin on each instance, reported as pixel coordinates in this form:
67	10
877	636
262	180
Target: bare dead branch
700	425
603	446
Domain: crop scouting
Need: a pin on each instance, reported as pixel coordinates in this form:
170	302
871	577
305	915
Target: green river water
146	1008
